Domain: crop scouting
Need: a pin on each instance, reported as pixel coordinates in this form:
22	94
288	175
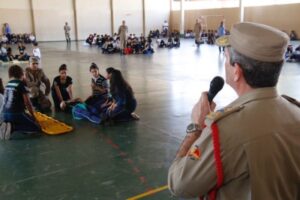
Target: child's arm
70	91
58	93
1	87
28	105
46	81
99	88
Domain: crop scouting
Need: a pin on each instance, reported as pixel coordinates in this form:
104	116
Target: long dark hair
118	84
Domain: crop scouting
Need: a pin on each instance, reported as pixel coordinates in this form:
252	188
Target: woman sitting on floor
124	103
61	90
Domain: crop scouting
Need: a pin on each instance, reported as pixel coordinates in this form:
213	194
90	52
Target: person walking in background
123	30
197	30
67	30
221	32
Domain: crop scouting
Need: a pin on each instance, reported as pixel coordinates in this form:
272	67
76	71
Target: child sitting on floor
61	90
16	101
91	109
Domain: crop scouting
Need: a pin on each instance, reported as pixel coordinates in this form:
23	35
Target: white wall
93	16
50	17
132	12
156	13
17	14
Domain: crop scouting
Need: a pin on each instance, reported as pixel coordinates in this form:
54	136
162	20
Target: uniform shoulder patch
219	114
194	153
292	100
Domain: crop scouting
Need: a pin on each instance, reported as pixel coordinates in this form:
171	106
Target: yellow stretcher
51	126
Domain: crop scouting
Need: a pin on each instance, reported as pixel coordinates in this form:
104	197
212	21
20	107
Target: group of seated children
6	53
139	45
171	42
111	44
17	38
111	100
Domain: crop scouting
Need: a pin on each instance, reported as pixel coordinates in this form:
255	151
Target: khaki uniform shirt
260	144
123	29
67	29
197	30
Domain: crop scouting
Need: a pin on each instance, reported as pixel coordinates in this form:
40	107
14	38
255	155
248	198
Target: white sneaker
135	116
2	130
8	131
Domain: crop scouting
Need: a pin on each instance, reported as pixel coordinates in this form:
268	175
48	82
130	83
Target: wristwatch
193	127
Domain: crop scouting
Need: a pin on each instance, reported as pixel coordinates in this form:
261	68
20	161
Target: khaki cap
34	59
256	41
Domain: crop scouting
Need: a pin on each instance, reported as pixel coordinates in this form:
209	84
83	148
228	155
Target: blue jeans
22	122
120	113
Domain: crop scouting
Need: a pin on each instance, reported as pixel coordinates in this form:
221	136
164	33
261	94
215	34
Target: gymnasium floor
122	160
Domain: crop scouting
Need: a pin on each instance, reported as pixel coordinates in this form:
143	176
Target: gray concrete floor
122	160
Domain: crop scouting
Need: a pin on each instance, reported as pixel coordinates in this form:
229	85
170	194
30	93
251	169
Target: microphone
215	86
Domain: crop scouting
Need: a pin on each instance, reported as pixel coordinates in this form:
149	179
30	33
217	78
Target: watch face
191	128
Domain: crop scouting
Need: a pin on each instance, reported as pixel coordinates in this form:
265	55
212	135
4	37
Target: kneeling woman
61	90
124	102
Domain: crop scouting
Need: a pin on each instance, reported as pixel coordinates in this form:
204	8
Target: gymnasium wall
284	17
156	14
50	17
46	18
17	13
93	16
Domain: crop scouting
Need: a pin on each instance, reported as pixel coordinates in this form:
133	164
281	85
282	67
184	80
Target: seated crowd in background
111	44
16	38
208	36
112	98
172	41
7	54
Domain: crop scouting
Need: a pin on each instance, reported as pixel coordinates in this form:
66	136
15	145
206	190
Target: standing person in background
7	31
221	32
67	30
197	31
165	28
123	30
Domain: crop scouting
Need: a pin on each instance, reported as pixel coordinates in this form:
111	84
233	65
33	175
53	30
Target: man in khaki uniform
197	31
123	29
67	30
250	149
